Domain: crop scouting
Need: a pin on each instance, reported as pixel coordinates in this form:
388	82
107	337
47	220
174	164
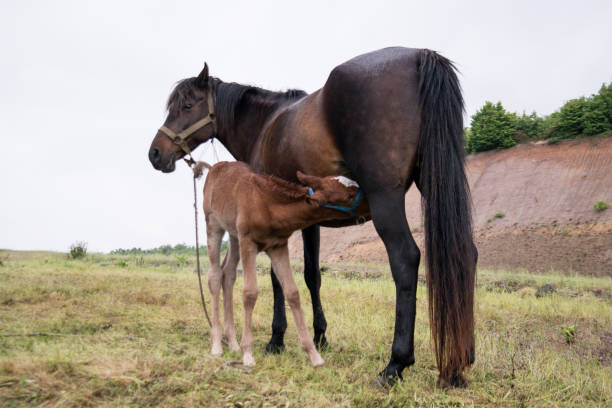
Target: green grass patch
135	335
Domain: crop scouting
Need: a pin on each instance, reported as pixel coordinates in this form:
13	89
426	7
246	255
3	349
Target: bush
78	250
601	205
570	333
491	128
500	215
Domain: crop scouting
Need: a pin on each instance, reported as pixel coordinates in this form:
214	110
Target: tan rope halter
180	139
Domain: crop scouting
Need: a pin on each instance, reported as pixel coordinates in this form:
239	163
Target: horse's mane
231	98
281	189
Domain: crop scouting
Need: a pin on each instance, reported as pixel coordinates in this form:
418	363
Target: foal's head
188	103
333	190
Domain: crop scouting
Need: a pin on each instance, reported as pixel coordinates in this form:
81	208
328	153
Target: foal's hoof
248	360
316	360
274	348
454	381
233	346
216	350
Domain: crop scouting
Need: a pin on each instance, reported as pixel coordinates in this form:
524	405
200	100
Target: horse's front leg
279	318
312	275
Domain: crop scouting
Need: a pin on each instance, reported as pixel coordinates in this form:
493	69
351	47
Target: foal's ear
310	181
202	79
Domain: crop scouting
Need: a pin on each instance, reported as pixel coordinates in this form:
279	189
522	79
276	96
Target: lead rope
195	213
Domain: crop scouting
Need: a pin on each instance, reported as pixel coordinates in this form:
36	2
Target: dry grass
522	356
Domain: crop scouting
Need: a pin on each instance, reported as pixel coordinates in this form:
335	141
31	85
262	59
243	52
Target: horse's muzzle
157	160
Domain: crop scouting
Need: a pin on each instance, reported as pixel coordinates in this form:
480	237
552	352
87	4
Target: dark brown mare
385	119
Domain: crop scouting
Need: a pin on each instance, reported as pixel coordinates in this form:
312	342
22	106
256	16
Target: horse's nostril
154	155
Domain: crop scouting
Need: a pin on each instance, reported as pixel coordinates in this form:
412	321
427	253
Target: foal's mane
231	98
281	189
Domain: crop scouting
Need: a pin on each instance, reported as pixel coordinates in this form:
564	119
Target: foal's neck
302	215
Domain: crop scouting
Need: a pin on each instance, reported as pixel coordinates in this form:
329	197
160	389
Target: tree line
178	249
492	127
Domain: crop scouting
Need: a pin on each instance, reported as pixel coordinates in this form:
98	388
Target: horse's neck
243	140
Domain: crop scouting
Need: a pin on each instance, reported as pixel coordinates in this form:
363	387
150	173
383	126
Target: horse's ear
202	79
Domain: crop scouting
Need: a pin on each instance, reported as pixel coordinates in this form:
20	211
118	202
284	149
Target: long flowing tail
451	262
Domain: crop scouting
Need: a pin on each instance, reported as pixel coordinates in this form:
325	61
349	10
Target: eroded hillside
546	195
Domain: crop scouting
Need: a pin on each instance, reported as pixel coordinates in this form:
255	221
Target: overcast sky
83	87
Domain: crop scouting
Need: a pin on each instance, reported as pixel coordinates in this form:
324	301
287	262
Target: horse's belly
299	139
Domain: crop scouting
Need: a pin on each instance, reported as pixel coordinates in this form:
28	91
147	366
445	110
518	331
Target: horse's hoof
273	348
386	380
217	350
321	343
454	381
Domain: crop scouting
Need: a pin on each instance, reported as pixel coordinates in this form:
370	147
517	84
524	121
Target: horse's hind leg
282	268
389	217
229	278
214	237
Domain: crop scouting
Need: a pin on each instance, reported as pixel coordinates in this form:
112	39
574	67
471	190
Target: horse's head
331	190
189	123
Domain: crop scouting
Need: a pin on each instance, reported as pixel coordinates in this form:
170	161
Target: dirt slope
546	193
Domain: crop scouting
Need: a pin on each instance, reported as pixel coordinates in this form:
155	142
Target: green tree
571	123
491	128
531	125
586	116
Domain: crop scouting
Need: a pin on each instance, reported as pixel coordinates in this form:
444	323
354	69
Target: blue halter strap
350	211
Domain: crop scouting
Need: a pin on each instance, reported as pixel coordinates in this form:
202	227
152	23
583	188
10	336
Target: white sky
83	87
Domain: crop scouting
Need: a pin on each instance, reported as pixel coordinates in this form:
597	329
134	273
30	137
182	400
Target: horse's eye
187	107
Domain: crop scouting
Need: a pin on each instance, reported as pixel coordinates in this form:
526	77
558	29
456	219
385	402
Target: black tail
451	264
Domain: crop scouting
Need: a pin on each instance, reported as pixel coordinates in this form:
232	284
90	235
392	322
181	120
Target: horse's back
380	61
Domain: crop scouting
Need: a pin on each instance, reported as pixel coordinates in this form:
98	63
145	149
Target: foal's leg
229	278
214	237
248	253
312	276
282	268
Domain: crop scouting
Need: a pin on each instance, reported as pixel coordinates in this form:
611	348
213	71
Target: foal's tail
451	257
199	167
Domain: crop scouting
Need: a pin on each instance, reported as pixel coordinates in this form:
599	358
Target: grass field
133	334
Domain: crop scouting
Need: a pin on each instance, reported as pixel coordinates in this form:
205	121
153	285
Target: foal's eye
187	106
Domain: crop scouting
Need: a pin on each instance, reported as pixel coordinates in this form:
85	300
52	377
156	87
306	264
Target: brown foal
260	212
